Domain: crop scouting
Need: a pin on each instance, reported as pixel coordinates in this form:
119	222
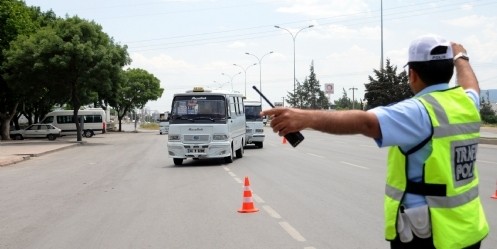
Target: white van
255	124
206	124
164	123
163	127
93	121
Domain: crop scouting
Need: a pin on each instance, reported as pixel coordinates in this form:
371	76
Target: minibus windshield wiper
203	117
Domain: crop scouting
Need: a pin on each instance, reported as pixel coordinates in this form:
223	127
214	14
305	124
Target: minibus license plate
196	150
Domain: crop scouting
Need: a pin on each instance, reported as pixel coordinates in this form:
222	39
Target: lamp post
294	36
353	98
245	71
260	69
231	78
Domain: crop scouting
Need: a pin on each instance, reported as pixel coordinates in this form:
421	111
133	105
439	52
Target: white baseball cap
421	49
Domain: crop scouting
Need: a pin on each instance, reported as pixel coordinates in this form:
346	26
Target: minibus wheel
229	159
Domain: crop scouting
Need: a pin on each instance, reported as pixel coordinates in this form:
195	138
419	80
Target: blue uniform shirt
406	124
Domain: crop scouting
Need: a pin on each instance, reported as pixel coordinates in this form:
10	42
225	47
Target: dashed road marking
292	231
285	225
271	212
310	154
257	198
354	165
481	161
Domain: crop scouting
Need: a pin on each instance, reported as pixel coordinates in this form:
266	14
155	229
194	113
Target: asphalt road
120	190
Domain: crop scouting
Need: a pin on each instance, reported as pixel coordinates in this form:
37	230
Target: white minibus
93	121
206	124
255	125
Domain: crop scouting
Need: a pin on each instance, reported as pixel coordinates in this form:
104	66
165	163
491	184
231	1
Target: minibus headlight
172	137
220	137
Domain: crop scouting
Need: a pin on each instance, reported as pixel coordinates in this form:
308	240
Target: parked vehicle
92	121
164	123
36	131
255	123
164	127
206	124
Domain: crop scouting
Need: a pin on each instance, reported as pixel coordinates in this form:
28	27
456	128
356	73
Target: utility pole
381	63
353	98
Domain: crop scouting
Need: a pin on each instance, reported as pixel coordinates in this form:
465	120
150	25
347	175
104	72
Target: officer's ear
415	81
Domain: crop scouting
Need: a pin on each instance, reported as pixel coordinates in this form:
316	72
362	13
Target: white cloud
159	62
335	31
472	21
467	6
323	7
237	44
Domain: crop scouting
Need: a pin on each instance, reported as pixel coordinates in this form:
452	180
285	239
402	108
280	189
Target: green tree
308	95
15	19
137	88
486	112
387	87
73	58
344	102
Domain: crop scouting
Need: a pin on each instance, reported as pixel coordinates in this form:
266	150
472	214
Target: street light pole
353	99
245	71
294	36
260	69
231	78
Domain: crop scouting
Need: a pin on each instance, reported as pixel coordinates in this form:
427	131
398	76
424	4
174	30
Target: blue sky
188	43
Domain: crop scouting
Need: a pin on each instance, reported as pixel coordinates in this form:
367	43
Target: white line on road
271	212
480	161
292	231
232	174
310	154
351	164
226	168
257	198
369	146
238	179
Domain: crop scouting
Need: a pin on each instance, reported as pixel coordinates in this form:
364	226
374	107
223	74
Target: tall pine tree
387	87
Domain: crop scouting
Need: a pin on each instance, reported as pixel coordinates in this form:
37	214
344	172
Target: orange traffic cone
495	195
248	202
284	140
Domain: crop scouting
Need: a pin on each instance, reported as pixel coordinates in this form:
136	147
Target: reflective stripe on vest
445	129
437	201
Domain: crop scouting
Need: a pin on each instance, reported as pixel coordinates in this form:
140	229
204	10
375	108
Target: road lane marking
310	154
292	231
271	212
285	225
480	161
226	168
354	165
369	146
257	198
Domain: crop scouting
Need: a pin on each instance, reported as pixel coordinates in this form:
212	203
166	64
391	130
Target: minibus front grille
196	138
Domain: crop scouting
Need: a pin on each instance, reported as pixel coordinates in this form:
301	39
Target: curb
9	160
13	159
485	140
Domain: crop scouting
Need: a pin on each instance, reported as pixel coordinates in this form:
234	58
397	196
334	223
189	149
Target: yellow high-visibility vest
450	177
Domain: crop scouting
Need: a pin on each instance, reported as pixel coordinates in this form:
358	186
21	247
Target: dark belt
431	189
